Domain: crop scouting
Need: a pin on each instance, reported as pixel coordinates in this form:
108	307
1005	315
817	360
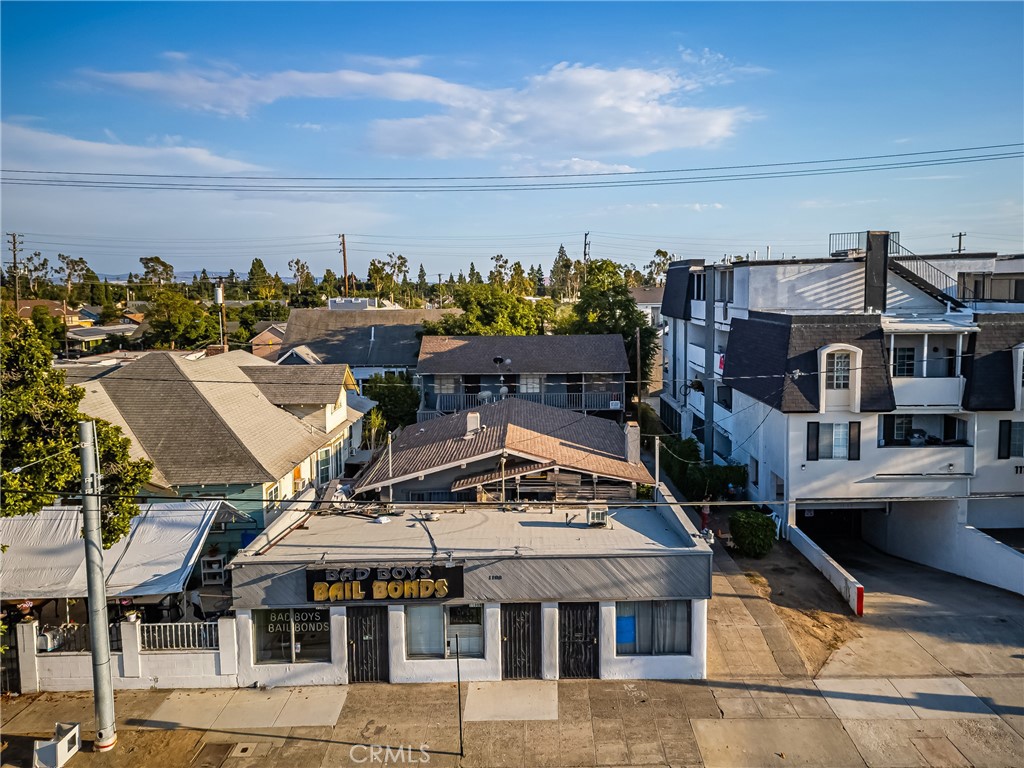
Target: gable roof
528	354
276	328
204	421
300	385
385	337
648	294
766	351
988	365
522	428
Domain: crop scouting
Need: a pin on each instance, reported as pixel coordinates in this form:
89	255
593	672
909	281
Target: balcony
723	416
573	401
695	357
919	392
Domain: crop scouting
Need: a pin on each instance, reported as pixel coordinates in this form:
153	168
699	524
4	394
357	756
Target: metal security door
577	640
10	676
520	641
368	645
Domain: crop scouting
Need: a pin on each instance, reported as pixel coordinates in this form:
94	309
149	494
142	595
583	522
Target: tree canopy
397	399
39	435
488	310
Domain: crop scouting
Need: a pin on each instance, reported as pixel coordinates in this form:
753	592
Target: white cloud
385	62
24	147
569	109
174	55
315	127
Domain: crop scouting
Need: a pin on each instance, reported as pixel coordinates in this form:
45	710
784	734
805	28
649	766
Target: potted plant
132	615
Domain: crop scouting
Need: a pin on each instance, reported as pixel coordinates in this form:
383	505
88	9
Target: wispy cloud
385	62
707	68
571	108
828	204
315	127
29	148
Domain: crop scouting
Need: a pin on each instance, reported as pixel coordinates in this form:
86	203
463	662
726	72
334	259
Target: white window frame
837	443
273	498
902	426
899	366
529	384
837	376
856	361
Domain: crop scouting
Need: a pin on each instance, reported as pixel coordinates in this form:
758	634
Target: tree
377	276
156	270
36	268
253	313
39	431
658	267
303	277
421	282
71	269
51	330
261	284
633	276
536	276
566	277
487	310
397	267
397	399
329	285
497	275
518	283
606	306
474	276
376	425
176	322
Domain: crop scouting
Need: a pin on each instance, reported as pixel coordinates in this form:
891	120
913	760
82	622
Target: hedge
753	532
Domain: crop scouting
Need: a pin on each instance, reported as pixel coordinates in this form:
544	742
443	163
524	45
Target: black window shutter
889	429
1004	439
812	441
854	451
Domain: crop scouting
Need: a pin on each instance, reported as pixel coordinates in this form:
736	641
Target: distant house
648	298
369	342
233	426
512	450
84	338
578	373
266	342
360	303
91	312
56	309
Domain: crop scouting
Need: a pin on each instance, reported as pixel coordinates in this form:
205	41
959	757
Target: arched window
839	378
837	370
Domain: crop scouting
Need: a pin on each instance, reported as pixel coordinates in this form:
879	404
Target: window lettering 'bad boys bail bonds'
384	583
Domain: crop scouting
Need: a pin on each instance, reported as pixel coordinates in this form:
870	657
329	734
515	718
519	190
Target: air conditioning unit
615	404
597	515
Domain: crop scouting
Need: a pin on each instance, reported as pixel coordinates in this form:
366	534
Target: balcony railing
942	392
181	636
573	401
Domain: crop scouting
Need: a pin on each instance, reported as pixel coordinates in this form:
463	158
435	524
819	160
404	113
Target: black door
577	640
10	677
520	641
368	645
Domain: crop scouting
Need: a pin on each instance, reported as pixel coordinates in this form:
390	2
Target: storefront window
652	627
424	631
466	621
287	635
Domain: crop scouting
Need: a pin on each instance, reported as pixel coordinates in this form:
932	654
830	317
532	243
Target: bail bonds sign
384	583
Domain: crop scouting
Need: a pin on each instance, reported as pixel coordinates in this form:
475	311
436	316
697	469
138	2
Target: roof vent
597	515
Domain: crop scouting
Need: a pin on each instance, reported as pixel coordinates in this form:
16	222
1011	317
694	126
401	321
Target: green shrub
753	533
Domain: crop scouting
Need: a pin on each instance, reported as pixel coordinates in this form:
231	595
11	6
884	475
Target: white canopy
45	555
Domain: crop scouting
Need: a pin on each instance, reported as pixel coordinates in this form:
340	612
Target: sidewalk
718	724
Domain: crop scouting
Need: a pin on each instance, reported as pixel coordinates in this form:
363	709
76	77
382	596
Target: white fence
201	636
851	589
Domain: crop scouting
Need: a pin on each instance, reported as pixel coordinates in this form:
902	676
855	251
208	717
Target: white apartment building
870	393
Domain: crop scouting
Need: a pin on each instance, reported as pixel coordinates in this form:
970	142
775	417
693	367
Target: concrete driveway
920	622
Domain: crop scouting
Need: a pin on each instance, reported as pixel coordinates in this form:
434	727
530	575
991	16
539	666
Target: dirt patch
817	617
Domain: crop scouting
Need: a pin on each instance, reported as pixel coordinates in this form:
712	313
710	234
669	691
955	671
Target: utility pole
102	685
17	274
709	363
223	315
959	237
639	375
344	262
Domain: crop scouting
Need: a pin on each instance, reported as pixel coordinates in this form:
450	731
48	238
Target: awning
45	555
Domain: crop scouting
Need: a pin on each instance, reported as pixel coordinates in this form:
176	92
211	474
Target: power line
93	182
521	176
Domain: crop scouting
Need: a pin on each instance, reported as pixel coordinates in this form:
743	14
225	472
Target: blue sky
465	89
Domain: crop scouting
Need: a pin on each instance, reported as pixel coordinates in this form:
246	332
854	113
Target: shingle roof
988	365
344	336
298	385
771	348
648	294
522	428
528	354
203	421
276	327
678	289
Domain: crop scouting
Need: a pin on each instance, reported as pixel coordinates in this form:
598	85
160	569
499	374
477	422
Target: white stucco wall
406	670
